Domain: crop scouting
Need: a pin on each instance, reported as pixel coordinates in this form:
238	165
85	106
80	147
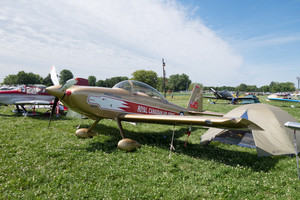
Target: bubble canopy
137	87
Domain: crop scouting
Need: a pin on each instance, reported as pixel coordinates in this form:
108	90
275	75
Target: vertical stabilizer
196	100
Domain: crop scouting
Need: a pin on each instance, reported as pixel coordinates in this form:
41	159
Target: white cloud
112	38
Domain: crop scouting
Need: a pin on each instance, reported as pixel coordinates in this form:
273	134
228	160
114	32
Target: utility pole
164	76
298	78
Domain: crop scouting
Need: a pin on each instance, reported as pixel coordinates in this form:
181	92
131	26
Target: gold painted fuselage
100	102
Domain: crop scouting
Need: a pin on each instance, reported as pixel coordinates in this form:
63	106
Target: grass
41	163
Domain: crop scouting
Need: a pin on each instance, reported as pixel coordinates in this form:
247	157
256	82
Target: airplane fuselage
99	102
11	97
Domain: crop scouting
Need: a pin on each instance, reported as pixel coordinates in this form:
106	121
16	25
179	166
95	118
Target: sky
214	42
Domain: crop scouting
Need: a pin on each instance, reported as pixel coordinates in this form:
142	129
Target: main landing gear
124	144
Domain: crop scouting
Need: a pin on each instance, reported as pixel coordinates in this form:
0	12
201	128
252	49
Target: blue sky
224	42
266	33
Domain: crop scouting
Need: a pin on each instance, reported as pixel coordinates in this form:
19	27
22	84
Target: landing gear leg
126	143
24	109
18	108
87	133
120	127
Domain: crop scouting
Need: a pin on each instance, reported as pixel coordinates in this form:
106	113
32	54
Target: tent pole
296	152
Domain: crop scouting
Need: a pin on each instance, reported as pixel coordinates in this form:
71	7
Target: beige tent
276	139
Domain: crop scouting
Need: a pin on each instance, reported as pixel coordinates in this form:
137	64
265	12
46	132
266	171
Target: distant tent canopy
276	139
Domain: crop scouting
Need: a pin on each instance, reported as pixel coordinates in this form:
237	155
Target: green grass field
41	163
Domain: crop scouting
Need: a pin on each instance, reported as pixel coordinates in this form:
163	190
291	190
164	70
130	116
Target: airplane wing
33	102
209	121
279	99
211	97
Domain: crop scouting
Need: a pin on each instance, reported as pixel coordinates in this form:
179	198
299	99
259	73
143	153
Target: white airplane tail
196	99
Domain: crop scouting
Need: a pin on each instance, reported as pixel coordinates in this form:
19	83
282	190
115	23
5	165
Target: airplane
31	95
26	95
226	95
134	101
284	98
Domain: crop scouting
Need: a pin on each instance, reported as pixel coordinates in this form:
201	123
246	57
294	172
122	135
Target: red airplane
26	95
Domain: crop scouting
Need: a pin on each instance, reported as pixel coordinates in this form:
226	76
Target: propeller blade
216	93
53	110
219	94
68	84
53	76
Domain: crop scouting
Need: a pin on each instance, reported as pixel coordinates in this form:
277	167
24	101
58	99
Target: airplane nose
54	90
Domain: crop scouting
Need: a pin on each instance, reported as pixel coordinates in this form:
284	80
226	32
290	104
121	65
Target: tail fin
196	99
82	81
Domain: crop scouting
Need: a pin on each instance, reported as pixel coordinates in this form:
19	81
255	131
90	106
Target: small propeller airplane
26	95
284	98
135	101
29	95
226	95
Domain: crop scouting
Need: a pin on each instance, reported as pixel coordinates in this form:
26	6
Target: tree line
273	87
174	83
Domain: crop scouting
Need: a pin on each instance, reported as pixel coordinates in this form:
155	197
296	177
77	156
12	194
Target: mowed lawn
41	163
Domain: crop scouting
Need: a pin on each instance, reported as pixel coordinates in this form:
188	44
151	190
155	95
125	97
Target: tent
275	139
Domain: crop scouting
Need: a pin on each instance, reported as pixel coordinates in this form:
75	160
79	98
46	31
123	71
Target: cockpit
139	88
227	93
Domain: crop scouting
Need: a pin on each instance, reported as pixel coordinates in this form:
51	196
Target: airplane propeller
63	88
53	76
216	93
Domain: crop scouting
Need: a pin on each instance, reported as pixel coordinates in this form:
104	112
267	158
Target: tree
110	82
64	76
287	87
10	80
264	88
92	80
179	82
242	87
101	83
160	84
47	80
148	77
23	78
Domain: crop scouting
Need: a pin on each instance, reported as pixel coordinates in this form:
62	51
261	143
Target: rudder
196	99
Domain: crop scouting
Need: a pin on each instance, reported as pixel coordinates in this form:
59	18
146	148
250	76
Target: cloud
112	38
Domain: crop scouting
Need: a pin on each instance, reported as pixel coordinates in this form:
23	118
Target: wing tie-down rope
171	145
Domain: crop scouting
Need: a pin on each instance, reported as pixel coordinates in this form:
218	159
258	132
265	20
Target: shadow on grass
163	139
38	116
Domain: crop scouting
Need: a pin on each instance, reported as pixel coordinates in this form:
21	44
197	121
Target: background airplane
26	95
32	95
284	98
137	102
226	95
